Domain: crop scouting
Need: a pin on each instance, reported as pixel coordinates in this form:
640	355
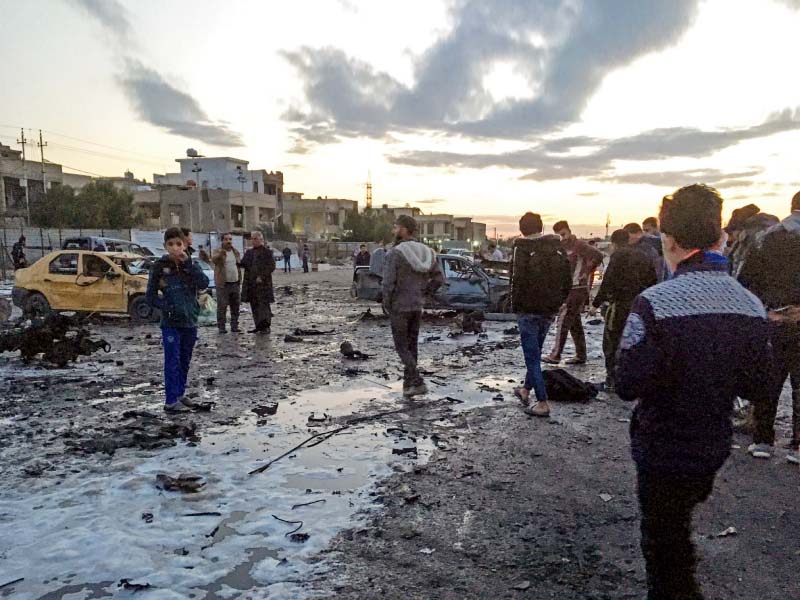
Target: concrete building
205	209
15	178
223	173
316	219
127	182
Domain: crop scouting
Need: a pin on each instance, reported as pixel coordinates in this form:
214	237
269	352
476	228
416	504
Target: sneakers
186	402
540	409
761	450
176	407
415	390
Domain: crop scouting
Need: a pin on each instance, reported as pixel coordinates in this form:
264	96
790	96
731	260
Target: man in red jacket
584	259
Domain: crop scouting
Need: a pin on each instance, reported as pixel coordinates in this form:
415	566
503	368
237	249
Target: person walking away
18	253
306	256
258	264
175	279
746	231
410	272
584	259
287	259
541	281
628	274
495	253
227	279
669	361
377	259
771	271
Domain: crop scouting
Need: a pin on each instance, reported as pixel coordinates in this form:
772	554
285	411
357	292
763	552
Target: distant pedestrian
628	274
771	270
584	259
202	254
287	259
227	280
494	253
746	227
18	253
690	346
306	257
363	257
410	272
377	259
258	264
187	236
175	280
650	246
541	280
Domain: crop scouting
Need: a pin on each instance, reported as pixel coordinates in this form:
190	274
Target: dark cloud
163	105
563	49
111	15
677	178
554	159
156	101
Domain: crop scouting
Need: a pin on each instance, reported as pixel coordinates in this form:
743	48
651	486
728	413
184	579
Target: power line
131	152
104	154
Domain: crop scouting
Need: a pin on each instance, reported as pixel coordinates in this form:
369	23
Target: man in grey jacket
410	271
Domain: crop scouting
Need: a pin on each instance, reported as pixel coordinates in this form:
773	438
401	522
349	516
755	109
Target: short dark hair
740	216
796	201
492	246
530	223
173	233
693	216
227	233
186	231
633	228
363	245
408	222
650	221
620	237
562	225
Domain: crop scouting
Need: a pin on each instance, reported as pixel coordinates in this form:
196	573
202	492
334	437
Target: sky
575	109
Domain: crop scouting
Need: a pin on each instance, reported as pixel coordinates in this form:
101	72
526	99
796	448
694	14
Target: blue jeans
178	345
533	330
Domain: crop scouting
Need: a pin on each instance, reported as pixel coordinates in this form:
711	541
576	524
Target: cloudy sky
572	108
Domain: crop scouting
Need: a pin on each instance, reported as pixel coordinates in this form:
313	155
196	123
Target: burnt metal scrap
60	339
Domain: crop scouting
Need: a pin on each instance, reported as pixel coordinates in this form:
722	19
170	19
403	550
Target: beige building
16	178
127	182
205	209
316	219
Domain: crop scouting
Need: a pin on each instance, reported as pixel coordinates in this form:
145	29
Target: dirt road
456	496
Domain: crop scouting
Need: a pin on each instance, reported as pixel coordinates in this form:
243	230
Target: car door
102	284
463	287
60	285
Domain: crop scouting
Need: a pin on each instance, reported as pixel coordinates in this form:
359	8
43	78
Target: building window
255	187
271	190
332	218
430	228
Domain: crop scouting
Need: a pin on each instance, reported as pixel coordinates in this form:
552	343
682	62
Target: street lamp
197	169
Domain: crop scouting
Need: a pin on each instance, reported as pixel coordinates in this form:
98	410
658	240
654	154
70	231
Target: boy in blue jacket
174	282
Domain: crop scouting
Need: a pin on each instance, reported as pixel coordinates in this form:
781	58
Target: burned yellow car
85	282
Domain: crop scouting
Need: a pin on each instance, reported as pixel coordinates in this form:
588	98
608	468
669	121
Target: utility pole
22	141
197	169
608	223
42	145
369	191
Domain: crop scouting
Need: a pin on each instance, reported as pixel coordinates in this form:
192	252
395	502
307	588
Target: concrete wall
12	197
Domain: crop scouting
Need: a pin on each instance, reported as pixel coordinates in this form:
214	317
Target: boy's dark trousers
178	345
405	331
666	505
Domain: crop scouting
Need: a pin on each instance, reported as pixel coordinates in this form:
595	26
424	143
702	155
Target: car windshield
203	264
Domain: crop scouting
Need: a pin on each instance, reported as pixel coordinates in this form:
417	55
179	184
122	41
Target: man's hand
592	311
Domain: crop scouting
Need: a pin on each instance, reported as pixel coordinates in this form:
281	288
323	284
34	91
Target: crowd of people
695	317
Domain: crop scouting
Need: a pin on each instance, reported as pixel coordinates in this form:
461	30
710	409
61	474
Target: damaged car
83	281
467	286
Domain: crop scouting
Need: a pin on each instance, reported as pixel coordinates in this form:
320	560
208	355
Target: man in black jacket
628	274
771	270
258	264
541	280
670	361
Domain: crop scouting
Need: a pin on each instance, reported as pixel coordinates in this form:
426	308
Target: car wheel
140	311
37	305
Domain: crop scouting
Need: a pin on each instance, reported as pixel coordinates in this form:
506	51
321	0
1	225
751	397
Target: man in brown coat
227	279
583	259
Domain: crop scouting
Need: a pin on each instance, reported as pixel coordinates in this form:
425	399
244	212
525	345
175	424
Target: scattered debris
293	339
203	406
427	551
404	451
606	497
314	420
298	523
522	586
594	322
349	352
203	514
58	338
210	381
299	538
188	484
309	503
306	332
136	587
511	331
147	517
266	410
727	532
10	583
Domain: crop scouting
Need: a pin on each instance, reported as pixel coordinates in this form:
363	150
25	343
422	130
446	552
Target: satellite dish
191	153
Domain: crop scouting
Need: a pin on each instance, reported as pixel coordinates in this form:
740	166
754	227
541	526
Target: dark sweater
172	288
691	345
628	274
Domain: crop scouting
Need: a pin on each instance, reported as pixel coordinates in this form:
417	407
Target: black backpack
541	277
561	386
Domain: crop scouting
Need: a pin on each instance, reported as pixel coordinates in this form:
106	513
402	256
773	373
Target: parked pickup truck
466	286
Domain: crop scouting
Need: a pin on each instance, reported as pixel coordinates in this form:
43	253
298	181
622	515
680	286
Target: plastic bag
208	310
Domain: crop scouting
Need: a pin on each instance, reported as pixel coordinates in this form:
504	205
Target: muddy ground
492	503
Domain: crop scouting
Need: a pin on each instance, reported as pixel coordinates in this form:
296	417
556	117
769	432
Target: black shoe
256	330
236	330
223	330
